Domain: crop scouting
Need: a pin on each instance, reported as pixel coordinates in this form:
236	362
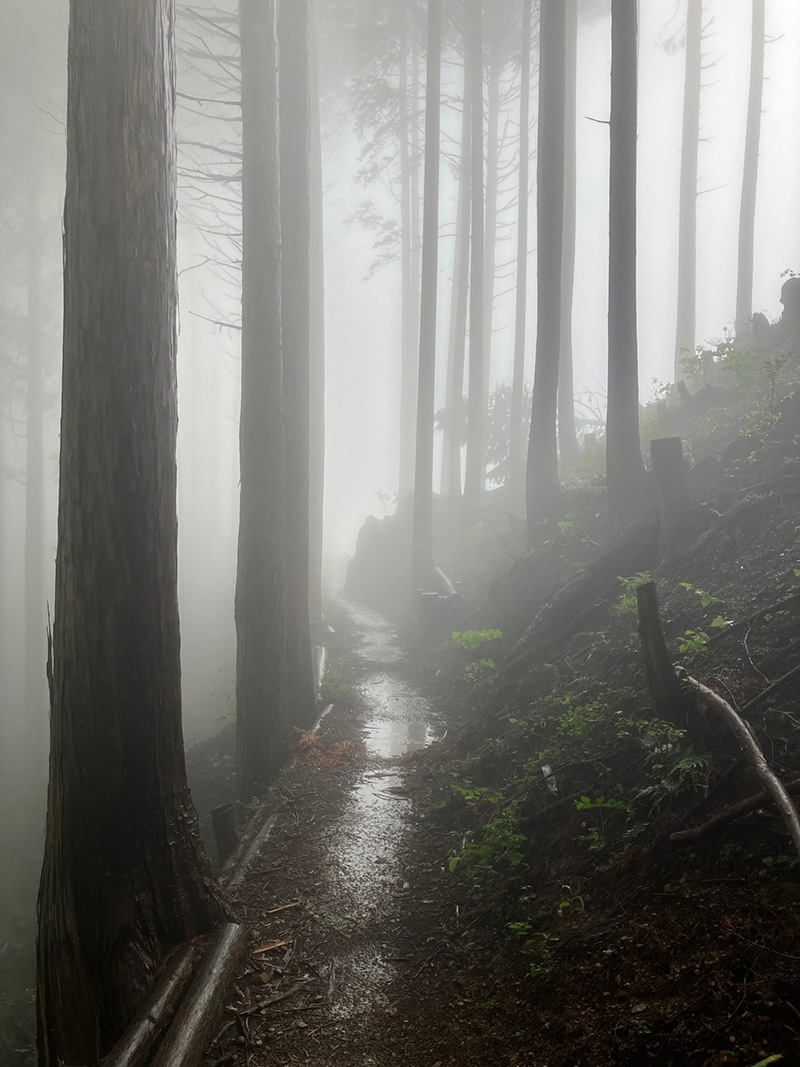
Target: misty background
363	317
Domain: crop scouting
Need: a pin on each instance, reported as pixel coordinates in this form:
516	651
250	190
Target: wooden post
662	681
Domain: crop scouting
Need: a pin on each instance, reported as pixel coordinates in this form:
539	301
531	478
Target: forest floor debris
684	956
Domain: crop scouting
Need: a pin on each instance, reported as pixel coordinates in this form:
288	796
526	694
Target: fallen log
752	752
741	808
136	1047
198	1019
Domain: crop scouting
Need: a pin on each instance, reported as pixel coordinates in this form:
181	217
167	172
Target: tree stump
662	681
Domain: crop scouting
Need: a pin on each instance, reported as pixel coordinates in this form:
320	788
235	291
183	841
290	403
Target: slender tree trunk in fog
317	430
687	239
542	480
125	879
262	725
623	450
517	445
35	654
459	307
475	475
409	342
490	200
567	433
747	216
422	539
295	170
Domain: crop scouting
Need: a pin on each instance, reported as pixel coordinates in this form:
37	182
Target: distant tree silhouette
623	449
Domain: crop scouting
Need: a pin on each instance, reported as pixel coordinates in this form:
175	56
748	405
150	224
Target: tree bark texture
517	444
317	372
475	474
567	433
261	623
459	309
124	878
687	233
542	476
422	536
662	681
35	645
623	452
747	216
295	167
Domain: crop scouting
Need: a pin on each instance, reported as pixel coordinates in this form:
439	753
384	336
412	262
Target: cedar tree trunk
125	879
261	661
422	538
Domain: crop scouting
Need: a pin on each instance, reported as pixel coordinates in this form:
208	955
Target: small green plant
774	866
481	670
595	827
627	603
536	944
570	902
768	1061
693	644
707	600
688	774
472	640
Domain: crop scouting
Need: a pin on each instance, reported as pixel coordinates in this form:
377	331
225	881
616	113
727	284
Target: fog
362	312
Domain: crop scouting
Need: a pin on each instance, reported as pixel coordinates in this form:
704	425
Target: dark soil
661	954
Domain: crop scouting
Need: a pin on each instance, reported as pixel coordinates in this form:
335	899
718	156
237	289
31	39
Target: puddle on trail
388	737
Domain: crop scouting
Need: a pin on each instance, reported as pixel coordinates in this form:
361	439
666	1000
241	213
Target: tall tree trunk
567	433
125	879
687	238
317	438
422	537
295	166
542	481
517	444
747	216
262	725
409	337
491	195
623	450
35	655
475	475
459	307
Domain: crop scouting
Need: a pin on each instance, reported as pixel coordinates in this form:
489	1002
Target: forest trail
354	960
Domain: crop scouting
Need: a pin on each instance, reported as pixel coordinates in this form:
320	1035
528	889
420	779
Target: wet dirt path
344	926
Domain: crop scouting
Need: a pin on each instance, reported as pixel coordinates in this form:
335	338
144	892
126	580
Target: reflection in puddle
388	737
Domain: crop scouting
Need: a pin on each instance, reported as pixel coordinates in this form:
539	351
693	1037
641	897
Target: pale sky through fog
363	318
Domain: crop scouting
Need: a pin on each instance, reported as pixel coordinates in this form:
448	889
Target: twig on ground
743	806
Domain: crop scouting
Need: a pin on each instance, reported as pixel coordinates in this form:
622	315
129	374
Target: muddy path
359	957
